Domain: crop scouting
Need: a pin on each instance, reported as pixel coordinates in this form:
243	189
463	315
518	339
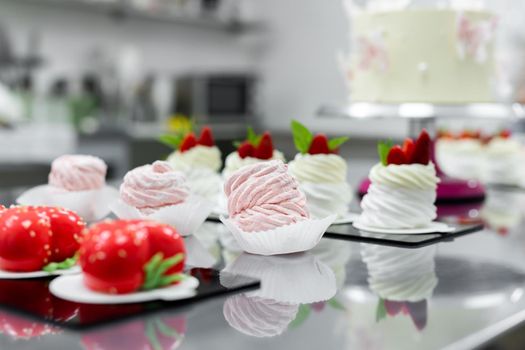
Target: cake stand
424	115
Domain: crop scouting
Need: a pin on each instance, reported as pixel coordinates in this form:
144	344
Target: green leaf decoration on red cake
411	152
308	143
155	271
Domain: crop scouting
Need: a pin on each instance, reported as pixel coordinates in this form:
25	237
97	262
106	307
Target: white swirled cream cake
413	54
403	187
321	172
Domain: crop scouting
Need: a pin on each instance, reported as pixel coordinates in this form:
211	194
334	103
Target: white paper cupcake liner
72	288
8	275
297	279
185	217
91	205
197	254
294	238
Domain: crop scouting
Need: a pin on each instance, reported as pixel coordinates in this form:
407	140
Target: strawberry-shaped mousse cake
403	187
200	159
154	186
321	172
264	196
255	149
39	238
125	256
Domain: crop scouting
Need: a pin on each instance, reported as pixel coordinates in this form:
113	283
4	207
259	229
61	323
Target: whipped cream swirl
264	196
400	196
319	168
78	173
150	187
326	199
234	162
196	157
258	317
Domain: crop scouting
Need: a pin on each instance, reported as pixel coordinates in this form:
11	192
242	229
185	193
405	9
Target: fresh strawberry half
68	229
256	146
265	148
319	145
188	142
25	239
422	149
396	156
417	152
246	149
125	256
206	137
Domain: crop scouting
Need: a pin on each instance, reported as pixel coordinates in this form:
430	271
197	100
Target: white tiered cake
420	55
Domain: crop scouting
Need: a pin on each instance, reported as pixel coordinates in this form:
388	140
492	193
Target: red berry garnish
422	149
393	307
246	149
265	148
188	142
396	156
408	148
319	145
506	133
206	137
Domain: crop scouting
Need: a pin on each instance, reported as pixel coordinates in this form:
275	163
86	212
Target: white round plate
432	228
348	218
8	275
72	288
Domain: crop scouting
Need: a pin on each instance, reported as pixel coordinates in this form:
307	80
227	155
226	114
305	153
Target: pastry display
78	173
77	183
404	53
491	158
321	172
461	155
504	156
151	187
255	149
199	159
264	196
157	192
39	238
403	187
122	256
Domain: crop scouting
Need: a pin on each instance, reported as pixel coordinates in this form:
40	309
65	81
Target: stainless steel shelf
420	111
123	10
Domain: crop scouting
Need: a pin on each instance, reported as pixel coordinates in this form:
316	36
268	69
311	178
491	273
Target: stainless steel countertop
479	295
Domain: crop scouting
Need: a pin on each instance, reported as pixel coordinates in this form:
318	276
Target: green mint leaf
172	141
63	265
382	149
302	137
381	310
336	304
334	144
302	315
237	144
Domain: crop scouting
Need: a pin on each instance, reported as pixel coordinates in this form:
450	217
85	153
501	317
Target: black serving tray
350	233
32	299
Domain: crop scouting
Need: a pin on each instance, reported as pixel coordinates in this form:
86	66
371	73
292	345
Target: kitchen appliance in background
225	101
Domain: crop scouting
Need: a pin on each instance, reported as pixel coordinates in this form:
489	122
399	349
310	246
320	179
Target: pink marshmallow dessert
267	211
76	182
158	192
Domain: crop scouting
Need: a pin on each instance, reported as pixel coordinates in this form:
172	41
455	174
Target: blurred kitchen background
107	77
